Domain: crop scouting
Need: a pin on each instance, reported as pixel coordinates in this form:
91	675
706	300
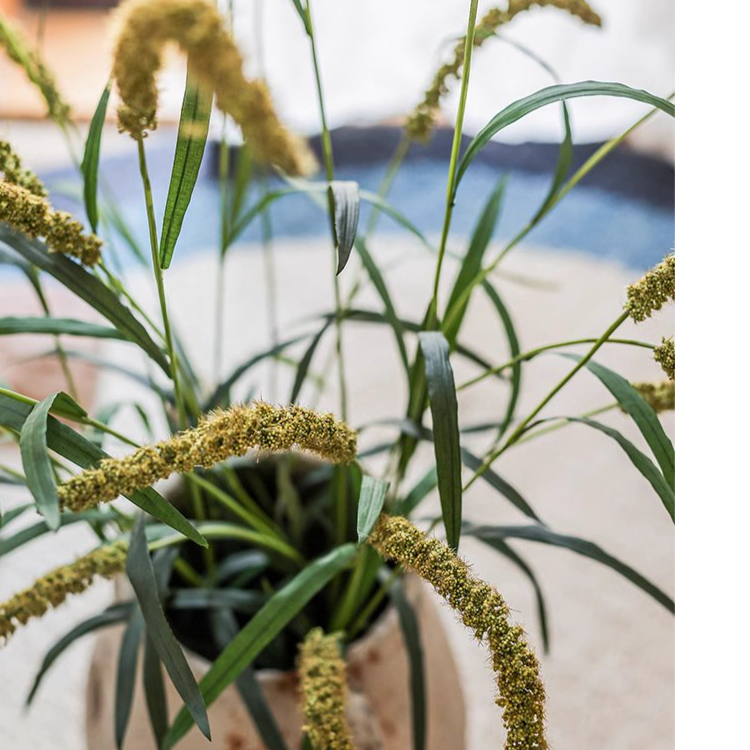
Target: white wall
377	57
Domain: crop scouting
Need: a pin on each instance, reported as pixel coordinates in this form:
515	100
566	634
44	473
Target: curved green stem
518	432
525	356
432	315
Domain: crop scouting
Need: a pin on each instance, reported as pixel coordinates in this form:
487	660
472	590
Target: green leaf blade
345	197
90	163
371	500
560	92
191	144
140	571
447	442
37	465
281	608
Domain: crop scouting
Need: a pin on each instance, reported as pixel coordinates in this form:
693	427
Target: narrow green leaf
36	530
303	15
642	462
643	415
419	492
127	661
90	163
12	325
71	445
471	461
447	441
141	574
223	391
371	499
345	196
225	628
281	608
155	692
505	549
113	615
191	143
306	361
561	92
382	289
575	544
410	630
37	465
471	265
514	348
11	515
86	286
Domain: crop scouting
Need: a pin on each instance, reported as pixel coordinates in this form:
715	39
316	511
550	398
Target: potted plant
268	597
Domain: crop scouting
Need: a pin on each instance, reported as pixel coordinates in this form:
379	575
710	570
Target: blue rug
624	209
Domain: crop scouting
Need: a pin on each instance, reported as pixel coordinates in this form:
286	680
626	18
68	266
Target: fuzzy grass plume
421	122
659	396
664	355
521	692
220	435
18	49
147	26
14	172
322	674
32	215
51	590
653	291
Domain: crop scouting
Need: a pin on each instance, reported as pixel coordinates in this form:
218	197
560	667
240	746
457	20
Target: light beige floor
610	673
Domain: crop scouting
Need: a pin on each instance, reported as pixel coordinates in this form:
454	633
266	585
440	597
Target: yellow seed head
14	172
220	435
659	396
664	355
146	26
655	289
322	675
521	692
421	122
32	214
51	590
21	52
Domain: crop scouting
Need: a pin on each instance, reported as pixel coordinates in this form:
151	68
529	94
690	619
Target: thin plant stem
330	176
559	425
272	311
453	166
603	151
519	430
159	278
525	356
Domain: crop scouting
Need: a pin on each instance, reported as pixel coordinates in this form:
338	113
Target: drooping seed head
664	355
654	290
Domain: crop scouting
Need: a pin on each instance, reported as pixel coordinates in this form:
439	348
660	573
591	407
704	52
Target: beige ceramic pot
379	708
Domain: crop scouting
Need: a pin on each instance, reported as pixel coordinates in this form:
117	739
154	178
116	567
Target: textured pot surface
379	707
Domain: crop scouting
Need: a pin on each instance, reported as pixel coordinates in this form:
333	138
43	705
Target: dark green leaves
141	574
641	462
407	618
127	662
12	326
444	410
280	609
562	92
88	287
191	143
37	465
580	546
371	499
90	163
71	445
345	197
643	415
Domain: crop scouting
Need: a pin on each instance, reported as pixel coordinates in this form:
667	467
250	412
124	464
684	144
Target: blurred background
610	670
